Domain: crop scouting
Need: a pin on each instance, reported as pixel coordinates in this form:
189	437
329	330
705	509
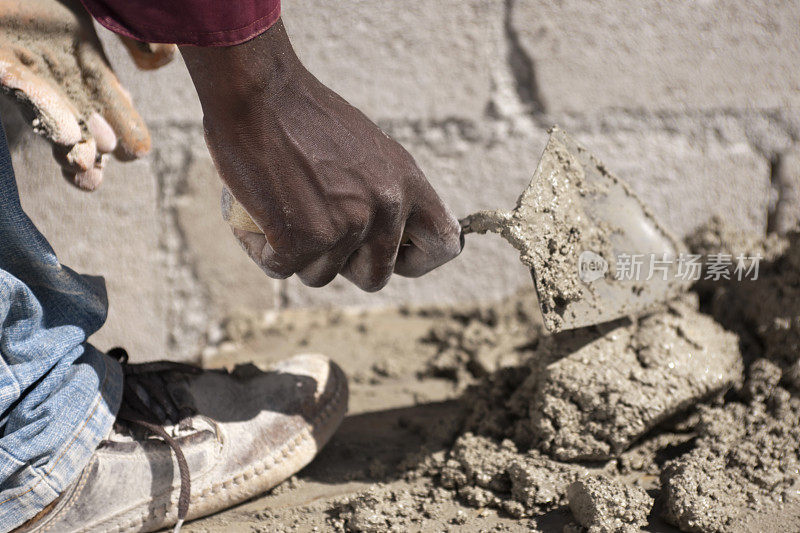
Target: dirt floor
472	419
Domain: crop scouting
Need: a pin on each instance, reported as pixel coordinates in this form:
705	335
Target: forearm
228	79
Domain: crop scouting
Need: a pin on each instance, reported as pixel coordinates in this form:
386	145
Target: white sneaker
190	442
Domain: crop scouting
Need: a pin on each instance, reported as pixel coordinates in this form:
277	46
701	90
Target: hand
331	192
52	62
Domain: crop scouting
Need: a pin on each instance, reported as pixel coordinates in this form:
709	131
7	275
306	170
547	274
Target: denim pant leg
58	395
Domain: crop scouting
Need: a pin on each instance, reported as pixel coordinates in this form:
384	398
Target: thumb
432	237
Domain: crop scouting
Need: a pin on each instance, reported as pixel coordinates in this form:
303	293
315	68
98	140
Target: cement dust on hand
57	47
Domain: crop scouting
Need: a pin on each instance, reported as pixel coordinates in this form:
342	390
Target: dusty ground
471	419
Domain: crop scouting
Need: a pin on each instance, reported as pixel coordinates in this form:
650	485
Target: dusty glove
52	62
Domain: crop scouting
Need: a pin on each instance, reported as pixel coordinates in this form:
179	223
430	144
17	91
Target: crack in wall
766	131
521	64
187	299
775	193
784	206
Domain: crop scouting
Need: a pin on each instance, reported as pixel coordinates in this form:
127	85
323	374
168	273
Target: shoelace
146	403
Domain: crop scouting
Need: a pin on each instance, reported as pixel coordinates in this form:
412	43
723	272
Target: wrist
231	79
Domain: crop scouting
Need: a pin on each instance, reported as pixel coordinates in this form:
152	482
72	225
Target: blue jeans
58	395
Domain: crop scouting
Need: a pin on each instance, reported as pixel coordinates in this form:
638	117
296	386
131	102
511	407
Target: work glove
52	63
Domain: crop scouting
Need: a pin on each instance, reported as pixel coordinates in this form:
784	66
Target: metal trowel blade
597	253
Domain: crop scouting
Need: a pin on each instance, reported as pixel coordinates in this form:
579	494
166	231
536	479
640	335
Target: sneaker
189	442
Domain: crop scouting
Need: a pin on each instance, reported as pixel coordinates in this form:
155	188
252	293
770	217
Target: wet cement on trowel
561	432
549	211
572	206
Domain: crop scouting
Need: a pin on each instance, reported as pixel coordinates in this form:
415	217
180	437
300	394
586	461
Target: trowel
595	251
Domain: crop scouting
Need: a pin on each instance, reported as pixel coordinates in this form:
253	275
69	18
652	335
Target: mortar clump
382	509
766	311
746	459
603	505
474	342
589	394
485	473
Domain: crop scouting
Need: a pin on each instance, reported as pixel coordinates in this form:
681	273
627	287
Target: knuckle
452	247
451	240
392	201
275	272
336	235
312	241
322	241
415	271
270	263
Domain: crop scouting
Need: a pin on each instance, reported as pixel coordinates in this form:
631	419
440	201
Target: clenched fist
331	192
52	62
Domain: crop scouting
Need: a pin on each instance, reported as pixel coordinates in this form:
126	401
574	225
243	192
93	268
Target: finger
78	157
323	270
148	56
87	180
371	266
79	167
114	103
103	134
434	238
55	117
260	251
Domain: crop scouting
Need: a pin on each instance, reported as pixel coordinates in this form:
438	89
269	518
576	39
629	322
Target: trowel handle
493	221
235	214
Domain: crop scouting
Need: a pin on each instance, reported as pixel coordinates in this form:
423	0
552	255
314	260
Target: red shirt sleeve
195	22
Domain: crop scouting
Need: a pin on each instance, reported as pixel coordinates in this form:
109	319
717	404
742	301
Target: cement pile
606	393
591	393
474	342
485	473
765	311
580	431
383	510
746	460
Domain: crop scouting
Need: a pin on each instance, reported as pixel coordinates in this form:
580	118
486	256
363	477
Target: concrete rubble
602	505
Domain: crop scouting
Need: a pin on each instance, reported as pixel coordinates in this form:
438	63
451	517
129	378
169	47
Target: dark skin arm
331	192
